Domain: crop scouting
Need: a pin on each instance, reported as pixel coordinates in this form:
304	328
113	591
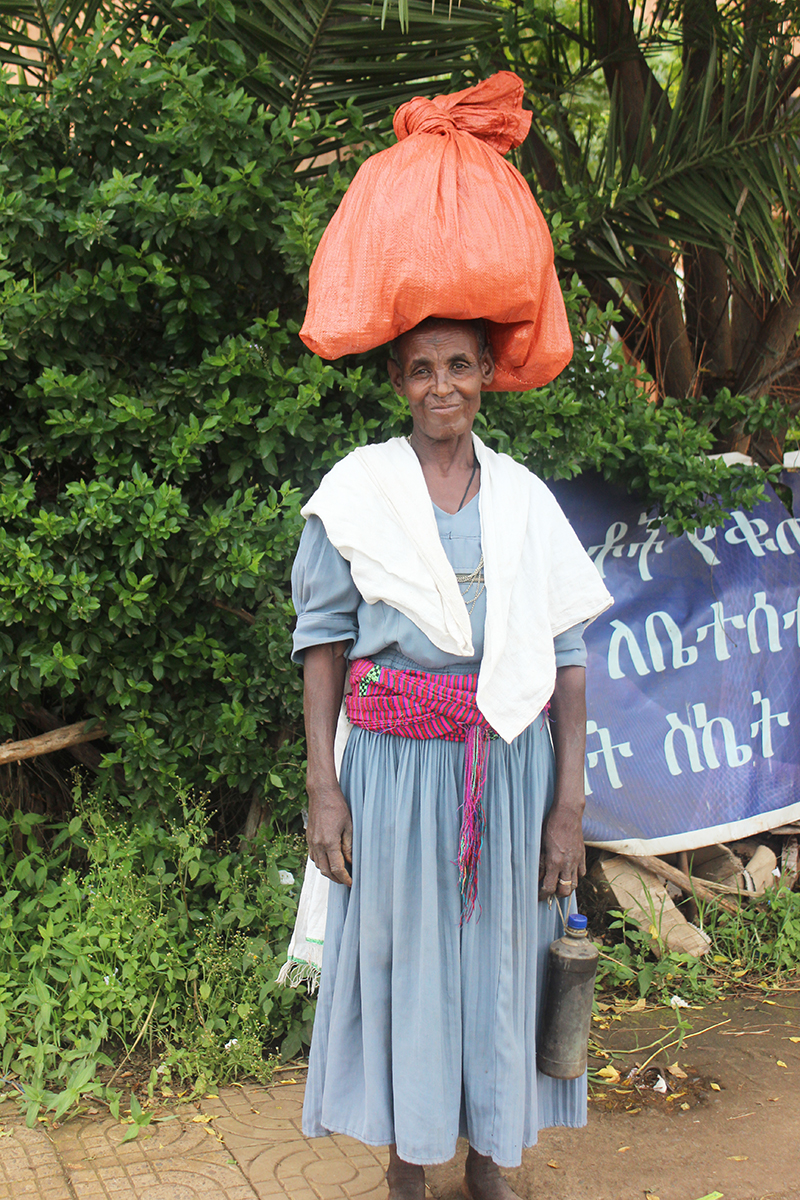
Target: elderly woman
439	584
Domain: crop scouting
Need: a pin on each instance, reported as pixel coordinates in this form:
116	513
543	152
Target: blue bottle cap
577	921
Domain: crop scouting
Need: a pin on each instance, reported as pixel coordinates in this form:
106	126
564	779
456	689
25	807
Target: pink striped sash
416	704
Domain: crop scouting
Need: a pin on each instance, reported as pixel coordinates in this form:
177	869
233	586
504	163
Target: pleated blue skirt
425	1027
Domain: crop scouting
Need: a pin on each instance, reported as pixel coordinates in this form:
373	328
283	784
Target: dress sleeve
570	647
325	598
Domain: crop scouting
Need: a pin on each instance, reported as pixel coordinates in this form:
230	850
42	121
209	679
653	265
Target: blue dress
425	1027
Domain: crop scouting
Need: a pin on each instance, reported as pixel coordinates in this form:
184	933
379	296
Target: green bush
159	419
115	932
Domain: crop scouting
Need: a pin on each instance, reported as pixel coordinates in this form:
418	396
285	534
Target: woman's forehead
439	341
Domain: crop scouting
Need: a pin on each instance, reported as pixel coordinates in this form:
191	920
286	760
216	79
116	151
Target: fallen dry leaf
552	1163
685	1107
202	1119
781	1063
738	1157
650	1196
794	1039
622	1149
715	1087
676	1071
609	1072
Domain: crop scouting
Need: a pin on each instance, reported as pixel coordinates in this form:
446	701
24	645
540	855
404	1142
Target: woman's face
440	373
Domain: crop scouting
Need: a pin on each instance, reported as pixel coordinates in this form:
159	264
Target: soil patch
738	1134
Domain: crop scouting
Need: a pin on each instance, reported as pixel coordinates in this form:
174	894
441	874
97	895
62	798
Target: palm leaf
317	54
324	53
691	162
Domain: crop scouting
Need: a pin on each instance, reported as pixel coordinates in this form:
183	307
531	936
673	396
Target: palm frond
326	53
320	54
733	133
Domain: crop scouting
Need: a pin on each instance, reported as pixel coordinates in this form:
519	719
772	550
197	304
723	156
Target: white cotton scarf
376	510
378	514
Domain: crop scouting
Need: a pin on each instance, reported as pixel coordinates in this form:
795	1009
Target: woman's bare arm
330	830
562	854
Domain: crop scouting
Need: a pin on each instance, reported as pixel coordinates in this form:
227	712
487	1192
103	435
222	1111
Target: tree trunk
672	363
707	292
667	350
769	350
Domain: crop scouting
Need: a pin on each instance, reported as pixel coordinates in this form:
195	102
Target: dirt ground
730	1128
721	1123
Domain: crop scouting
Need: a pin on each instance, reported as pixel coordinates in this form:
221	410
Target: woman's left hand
562	861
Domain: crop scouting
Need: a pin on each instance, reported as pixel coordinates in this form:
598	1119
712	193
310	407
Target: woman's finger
549	881
347	843
557	879
337	870
320	861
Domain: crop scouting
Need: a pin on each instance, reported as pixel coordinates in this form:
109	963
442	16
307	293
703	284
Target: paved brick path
245	1144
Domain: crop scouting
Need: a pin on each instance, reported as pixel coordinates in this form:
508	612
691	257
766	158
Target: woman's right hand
330	833
330	830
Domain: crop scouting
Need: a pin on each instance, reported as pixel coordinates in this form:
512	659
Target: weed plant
759	944
117	933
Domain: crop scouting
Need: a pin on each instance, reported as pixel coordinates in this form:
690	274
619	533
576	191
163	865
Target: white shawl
377	512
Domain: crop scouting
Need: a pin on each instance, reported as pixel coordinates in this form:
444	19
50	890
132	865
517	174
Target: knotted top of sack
491	111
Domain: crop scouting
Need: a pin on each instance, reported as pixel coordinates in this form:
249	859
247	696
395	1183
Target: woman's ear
396	375
487	366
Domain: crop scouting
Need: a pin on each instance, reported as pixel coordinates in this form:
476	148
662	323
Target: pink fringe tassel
472	818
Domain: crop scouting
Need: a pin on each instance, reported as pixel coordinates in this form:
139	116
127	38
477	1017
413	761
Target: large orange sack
441	225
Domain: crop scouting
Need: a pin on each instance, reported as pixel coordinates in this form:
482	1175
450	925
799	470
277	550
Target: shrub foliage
160	422
160	419
121	933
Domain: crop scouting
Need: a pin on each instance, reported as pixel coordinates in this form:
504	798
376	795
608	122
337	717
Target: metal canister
567	1009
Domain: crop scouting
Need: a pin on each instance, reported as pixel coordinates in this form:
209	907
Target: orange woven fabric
441	225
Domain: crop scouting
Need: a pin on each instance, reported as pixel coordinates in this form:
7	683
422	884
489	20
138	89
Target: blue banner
693	679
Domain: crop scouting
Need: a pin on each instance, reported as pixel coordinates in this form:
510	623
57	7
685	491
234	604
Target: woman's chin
444	426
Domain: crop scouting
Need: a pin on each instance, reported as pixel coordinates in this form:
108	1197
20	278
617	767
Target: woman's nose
442	385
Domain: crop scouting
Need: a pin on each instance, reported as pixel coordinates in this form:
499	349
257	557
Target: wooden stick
687	883
86	755
47	743
247	617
